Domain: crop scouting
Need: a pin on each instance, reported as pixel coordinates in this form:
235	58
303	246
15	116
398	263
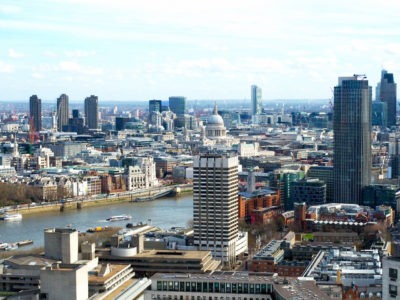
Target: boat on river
119	218
98	229
24	243
11	217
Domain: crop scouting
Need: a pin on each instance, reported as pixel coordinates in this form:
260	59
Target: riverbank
81	204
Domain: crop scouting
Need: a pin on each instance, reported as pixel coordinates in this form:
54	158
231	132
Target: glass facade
352	138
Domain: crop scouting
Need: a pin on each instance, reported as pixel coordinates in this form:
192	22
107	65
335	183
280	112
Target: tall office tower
394	152
91	112
177	105
35	111
255	100
62	111
215	204
352	138
75	113
154	106
386	91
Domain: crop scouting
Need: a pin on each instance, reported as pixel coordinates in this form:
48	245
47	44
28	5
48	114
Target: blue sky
141	50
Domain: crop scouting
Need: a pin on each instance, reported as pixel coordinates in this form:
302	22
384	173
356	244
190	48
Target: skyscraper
35	111
91	112
386	91
154	106
177	105
256	106
352	138
215	204
62	111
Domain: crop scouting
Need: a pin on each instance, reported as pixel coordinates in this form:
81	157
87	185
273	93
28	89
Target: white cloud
14	54
37	75
9	9
6	68
79	53
49	53
74	67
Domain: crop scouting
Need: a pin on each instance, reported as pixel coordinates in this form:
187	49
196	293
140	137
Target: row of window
214	287
181	297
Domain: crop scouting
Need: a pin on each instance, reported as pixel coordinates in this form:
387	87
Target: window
210	287
251	288
159	285
205	287
216	287
393	274
392	290
263	288
234	288
182	286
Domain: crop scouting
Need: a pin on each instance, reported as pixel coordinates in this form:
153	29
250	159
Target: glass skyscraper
62	112
154	106
352	138
386	91
177	105
256	106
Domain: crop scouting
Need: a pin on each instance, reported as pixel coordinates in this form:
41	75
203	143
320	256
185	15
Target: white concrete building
215	208
143	175
248	150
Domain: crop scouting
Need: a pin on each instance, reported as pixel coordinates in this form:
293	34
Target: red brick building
260	206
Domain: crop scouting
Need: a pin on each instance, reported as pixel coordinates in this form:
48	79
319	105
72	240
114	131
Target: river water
164	213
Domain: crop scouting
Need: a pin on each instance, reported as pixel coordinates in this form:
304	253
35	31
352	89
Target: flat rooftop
213	276
30	260
176	254
300	290
269	250
114	270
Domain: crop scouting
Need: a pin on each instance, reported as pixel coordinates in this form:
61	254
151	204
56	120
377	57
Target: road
117	195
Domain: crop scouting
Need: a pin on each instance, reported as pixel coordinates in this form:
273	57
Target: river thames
164	213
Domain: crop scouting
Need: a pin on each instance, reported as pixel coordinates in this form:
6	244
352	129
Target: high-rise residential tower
215	205
386	91
35	111
256	106
177	105
352	138
91	112
62	111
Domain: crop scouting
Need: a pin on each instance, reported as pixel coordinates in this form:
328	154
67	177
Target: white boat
11	247
12	217
119	218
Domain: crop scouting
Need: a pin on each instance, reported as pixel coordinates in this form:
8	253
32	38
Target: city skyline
128	50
